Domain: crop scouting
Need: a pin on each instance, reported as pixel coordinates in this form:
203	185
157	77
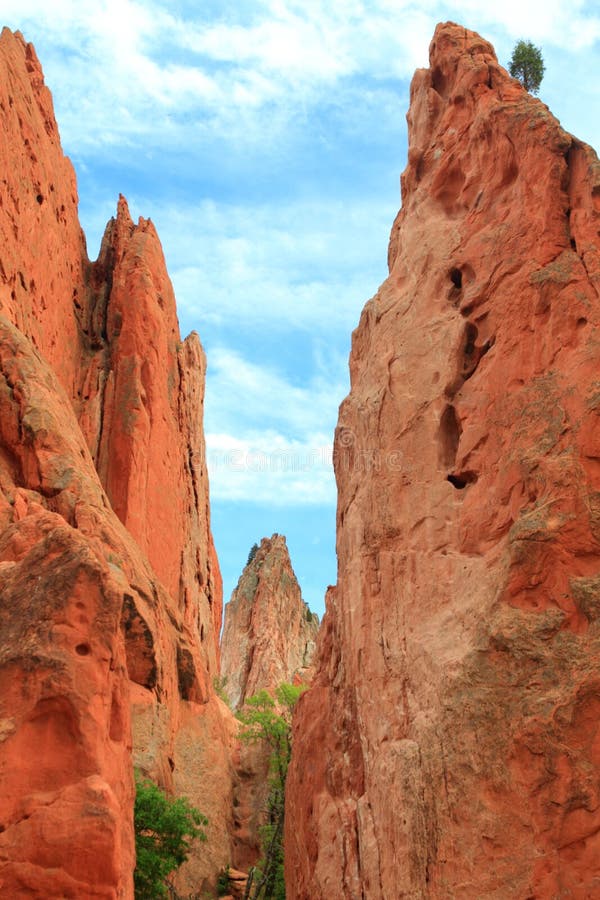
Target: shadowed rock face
269	632
450	745
110	593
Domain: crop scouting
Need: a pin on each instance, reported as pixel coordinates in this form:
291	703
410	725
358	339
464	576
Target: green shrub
527	64
223	883
164	831
269	721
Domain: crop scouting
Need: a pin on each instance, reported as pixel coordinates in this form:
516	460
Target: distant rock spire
269	632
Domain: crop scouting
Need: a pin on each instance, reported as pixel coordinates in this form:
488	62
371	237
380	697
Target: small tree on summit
252	554
527	64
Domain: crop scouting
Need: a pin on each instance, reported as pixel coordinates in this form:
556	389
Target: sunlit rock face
110	592
269	632
450	745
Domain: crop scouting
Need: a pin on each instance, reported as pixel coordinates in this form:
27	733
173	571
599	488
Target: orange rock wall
110	595
450	744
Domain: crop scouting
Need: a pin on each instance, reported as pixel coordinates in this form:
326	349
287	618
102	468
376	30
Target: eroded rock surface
450	745
269	632
110	593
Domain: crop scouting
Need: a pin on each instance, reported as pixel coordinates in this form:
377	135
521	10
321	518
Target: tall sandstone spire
450	745
110	593
269	632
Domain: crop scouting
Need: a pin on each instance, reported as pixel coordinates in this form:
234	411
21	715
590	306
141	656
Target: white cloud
269	468
301	265
575	24
286	458
270	398
145	73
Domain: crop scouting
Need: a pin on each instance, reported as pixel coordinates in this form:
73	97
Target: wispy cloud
269	469
149	72
274	447
304	265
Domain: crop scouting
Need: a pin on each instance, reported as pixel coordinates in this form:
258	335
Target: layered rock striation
450	745
269	632
110	593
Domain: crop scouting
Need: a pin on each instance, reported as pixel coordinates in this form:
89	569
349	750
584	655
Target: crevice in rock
438	82
575	149
186	674
139	645
449	433
469	359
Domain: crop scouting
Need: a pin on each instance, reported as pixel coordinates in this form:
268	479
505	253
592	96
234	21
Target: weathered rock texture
110	595
269	632
450	747
269	638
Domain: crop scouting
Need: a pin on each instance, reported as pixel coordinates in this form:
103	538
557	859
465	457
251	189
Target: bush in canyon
268	720
164	832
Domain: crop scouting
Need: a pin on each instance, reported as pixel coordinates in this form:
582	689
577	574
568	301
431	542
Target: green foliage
164	831
269	720
220	686
223	883
527	64
308	614
252	554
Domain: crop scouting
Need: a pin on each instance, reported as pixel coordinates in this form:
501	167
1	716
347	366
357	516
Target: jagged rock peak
104	530
269	632
459	660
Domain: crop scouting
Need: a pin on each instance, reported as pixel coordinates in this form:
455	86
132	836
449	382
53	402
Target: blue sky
266	140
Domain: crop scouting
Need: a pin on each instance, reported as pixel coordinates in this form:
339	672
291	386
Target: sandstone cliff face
110	597
269	632
450	746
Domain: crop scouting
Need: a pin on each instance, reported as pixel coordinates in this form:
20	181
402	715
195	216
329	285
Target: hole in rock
171	764
40	199
450	431
471	333
472	354
456	278
202	632
461	479
573	244
83	649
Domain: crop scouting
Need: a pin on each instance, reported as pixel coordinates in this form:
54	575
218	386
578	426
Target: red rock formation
65	567
451	744
101	405
268	638
269	632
